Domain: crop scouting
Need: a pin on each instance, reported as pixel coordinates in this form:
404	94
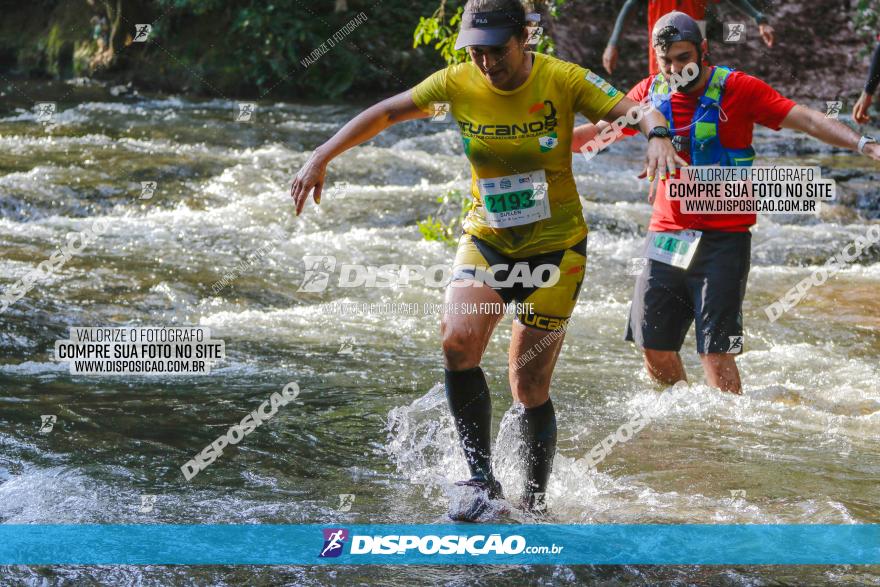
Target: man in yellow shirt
515	110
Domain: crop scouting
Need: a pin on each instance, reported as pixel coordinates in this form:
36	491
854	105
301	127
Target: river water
800	446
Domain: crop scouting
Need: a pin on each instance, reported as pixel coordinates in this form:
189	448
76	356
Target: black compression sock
471	408
539	436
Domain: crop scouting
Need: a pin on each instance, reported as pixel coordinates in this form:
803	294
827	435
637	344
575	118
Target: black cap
685	29
488	28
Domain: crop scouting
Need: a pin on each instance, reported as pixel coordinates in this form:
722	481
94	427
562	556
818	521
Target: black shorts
710	293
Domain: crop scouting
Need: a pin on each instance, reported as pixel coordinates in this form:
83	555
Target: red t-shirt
746	100
696	9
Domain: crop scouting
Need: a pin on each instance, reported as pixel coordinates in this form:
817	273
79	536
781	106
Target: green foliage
432	229
867	18
546	45
444	225
82	54
442	34
239	47
550	10
53	44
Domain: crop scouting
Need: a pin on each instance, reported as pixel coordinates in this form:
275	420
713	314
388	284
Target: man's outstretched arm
827	130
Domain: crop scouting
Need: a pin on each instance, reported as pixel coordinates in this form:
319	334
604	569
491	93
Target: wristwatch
864	141
659	132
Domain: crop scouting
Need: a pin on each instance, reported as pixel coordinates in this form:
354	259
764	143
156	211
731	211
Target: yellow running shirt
519	145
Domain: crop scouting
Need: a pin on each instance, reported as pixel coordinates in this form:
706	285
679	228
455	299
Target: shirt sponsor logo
524	129
600	83
548	142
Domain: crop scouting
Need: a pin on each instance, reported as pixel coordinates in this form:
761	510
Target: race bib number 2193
514	200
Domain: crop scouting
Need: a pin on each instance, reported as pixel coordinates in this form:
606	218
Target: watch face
660	131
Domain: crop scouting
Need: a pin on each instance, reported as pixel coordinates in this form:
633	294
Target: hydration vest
705	147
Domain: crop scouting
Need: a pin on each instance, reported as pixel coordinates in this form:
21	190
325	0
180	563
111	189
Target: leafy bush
230	47
436	29
867	17
445	224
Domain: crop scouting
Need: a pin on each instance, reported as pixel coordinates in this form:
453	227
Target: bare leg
664	366
465	336
530	384
721	371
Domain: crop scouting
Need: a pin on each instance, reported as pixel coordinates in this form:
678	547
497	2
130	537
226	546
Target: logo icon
734	32
334	539
736	345
47	423
347	346
540	502
45	111
245	111
338	190
318	269
439	111
540	190
346	500
141	32
147	503
833	108
535	34
148	188
637	265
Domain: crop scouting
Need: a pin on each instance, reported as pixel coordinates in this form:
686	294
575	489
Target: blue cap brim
494	37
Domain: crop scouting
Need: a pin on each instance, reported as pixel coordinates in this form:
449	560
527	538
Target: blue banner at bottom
540	544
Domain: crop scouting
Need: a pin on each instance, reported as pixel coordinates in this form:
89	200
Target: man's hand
872	150
767	34
661	158
609	58
311	176
860	110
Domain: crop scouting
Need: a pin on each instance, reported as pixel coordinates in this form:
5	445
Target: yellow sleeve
431	89
593	96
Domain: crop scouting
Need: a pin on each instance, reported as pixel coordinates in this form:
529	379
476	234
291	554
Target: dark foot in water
474	499
535	504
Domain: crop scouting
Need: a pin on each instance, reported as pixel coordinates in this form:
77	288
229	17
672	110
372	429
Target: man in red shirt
707	290
696	9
